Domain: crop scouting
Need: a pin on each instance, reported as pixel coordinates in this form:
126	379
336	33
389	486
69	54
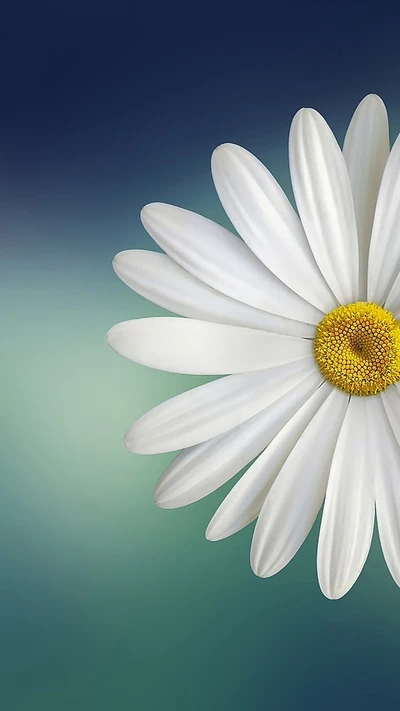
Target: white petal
349	512
223	261
366	150
158	278
244	501
182	345
384	255
387	478
199	470
259	209
393	300
211	409
322	190
296	496
391	402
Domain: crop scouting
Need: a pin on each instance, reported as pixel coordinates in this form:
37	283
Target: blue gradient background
107	602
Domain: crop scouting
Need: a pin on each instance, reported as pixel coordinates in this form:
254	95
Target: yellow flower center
357	348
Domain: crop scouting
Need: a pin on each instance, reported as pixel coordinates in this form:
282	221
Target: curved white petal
296	496
366	150
158	278
243	503
199	470
260	211
220	259
387	478
392	302
384	254
182	345
391	401
322	190
349	511
211	409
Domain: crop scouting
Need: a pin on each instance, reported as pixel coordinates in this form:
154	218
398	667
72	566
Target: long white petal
348	518
366	150
220	259
260	211
158	278
199	470
243	503
387	478
391	401
384	255
392	302
322	190
182	345
211	409
296	496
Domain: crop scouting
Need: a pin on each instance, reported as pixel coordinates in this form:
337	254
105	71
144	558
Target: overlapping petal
366	150
158	278
220	259
264	217
384	255
244	501
321	186
349	511
211	409
386	455
199	470
296	496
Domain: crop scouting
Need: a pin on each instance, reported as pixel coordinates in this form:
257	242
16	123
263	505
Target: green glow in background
114	603
108	603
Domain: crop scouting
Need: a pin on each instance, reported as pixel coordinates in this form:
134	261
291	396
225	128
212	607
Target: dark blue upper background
94	95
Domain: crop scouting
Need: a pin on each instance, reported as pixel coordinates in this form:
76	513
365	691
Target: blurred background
107	602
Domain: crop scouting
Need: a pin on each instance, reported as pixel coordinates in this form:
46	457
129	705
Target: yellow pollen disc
357	348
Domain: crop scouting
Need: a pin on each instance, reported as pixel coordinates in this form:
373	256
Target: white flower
300	316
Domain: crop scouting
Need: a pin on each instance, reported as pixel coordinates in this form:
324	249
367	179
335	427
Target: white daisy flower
300	316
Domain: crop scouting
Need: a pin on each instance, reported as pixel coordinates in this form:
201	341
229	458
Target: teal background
107	602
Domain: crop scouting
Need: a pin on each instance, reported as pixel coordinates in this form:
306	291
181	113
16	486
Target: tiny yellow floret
357	348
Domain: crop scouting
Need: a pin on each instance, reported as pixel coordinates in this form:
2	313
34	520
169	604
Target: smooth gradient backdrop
108	603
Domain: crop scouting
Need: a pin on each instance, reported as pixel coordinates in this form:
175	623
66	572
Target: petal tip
259	573
371	103
334	591
304	112
132	441
161	497
223	147
138	441
162	502
150	210
223	150
110	335
132	446
211	533
120	259
332	595
128	444
372	99
264	568
145	210
256	567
